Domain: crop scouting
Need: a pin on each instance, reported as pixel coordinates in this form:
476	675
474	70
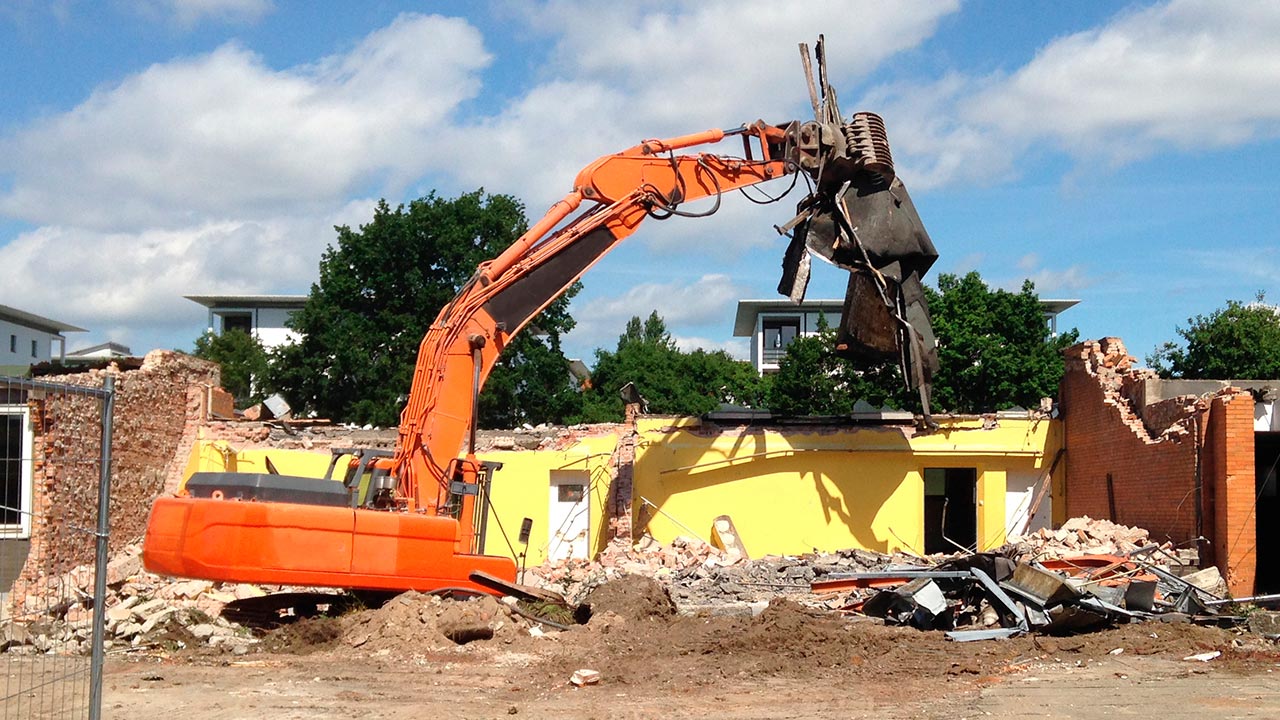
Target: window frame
21	530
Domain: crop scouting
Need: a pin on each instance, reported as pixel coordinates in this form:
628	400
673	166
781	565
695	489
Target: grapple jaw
861	218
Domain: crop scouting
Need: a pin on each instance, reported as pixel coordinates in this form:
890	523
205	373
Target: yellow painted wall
219	456
795	491
788	492
522	488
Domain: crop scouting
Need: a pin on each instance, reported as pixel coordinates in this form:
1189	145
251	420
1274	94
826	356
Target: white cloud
709	299
724	60
624	72
223	135
188	13
1049	281
1187	75
211	173
99	279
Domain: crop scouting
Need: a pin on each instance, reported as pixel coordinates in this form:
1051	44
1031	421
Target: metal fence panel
55	459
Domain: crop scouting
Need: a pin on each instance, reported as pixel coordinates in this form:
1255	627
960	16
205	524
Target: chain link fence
55	460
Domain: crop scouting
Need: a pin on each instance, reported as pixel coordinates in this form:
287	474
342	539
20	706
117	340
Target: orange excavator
409	520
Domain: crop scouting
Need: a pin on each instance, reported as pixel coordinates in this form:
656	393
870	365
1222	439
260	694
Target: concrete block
1265	622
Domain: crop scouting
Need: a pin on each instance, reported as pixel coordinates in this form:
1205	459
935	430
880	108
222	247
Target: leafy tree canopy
670	380
1240	341
243	361
995	352
813	380
995	348
380	288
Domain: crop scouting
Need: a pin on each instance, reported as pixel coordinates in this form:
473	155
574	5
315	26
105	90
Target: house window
35	347
238	321
778	334
13	343
15	471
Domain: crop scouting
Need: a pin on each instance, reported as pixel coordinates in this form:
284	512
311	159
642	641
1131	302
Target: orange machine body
295	544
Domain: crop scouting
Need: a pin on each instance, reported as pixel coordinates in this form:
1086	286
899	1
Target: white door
1021	489
568	516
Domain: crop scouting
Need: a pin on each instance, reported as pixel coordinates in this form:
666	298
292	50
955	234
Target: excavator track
272	611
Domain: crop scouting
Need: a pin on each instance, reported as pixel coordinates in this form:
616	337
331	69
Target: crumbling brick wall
154	405
1141	465
1152	477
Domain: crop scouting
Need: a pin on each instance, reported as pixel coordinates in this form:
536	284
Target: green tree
382	285
994	346
243	361
531	385
671	381
995	351
1240	341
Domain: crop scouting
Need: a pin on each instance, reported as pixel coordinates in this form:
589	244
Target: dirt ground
398	661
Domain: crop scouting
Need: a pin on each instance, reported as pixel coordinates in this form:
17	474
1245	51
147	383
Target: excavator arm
465	341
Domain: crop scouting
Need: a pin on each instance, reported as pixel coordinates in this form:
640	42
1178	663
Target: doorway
1266	453
568	515
950	509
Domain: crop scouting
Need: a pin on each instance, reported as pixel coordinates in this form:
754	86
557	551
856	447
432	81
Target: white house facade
27	339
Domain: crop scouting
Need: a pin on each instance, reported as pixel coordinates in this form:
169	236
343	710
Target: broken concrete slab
1265	623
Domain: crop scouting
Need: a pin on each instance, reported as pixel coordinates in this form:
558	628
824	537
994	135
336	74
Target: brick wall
1152	477
153	407
1229	477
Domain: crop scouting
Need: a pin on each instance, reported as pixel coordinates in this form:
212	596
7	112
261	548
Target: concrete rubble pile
1049	581
1080	536
143	611
704	578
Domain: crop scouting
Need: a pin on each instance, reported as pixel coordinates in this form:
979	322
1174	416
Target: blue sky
1122	154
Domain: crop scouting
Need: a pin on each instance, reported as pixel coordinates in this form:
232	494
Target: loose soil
790	661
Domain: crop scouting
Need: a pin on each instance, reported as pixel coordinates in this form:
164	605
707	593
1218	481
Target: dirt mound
479	619
416	622
1166	639
788	640
631	597
304	636
407	620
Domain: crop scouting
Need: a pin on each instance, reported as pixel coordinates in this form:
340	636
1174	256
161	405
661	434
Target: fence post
100	561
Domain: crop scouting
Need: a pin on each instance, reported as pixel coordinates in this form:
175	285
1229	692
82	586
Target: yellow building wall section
792	491
220	456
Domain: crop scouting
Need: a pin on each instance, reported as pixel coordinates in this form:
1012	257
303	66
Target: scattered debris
1204	657
585	677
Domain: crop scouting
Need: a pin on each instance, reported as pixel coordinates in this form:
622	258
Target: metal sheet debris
985	596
